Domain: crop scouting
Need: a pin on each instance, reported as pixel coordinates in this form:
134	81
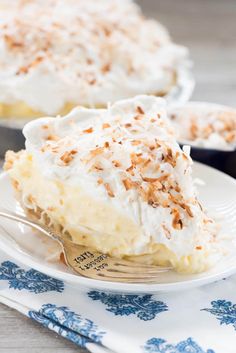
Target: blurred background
208	29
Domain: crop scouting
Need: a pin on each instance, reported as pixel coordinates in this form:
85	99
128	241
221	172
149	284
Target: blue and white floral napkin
202	320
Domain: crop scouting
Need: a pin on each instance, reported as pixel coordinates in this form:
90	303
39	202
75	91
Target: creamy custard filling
85	220
73	208
23	111
115	179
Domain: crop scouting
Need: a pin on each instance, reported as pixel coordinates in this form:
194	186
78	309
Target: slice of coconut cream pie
115	179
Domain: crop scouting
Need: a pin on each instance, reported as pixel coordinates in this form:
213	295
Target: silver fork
90	263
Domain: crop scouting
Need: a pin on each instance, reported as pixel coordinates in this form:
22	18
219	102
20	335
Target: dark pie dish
11	138
224	161
210	130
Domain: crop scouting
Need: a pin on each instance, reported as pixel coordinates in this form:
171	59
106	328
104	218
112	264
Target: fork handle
22	219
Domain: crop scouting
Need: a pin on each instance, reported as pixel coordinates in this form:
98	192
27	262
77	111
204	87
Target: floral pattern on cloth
159	345
145	307
30	280
190	321
225	312
68	324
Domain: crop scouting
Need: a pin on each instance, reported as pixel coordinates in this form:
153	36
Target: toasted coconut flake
97	151
88	131
230	137
159	143
158	185
53	149
106	126
89	61
177	222
199	247
135	142
152	202
116	164
68	156
52	138
168	158
127	125
15	184
138	117
145	165
25	69
140	110
100	181
165	203
92	81
136	158
166	231
150	196
189	211
109	190
127	183
207	131
106	144
106	68
177	199
146	162
163	178
22	70
152	147
177	188
193	130
11	43
73	152
37	61
97	167
154	181
130	170
149	180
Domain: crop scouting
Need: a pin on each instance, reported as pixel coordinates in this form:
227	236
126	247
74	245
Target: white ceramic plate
218	195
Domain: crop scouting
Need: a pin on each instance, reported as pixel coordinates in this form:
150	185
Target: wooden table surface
208	29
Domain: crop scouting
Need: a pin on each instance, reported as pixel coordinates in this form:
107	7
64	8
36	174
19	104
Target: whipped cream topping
126	155
206	125
82	52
